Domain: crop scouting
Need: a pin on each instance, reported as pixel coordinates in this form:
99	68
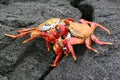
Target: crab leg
31	38
88	45
58	51
18	35
96	24
96	40
72	41
25	30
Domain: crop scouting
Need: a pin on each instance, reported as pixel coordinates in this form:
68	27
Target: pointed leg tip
53	65
111	43
96	51
108	32
48	49
74	58
6	34
66	55
24	42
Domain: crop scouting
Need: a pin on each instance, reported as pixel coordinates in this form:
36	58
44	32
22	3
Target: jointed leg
88	45
18	35
68	44
58	52
94	23
96	40
31	38
25	30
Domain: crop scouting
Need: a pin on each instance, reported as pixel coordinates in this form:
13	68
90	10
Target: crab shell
50	24
79	30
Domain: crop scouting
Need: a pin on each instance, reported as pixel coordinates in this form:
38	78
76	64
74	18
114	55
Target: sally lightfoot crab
49	31
83	32
63	34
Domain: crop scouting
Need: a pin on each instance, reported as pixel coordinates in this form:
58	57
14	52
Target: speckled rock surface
31	61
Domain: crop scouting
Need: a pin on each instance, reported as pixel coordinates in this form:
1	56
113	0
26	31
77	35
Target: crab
83	32
49	30
63	34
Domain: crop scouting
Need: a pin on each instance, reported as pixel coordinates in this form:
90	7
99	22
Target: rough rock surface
31	61
90	66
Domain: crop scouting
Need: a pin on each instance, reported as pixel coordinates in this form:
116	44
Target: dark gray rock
29	61
3	78
90	66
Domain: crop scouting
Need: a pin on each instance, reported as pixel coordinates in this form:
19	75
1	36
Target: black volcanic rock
90	66
31	61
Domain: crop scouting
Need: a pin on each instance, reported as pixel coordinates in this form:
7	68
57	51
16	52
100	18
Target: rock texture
90	66
31	61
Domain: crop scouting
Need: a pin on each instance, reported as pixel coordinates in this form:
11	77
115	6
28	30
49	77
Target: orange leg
58	51
47	43
72	41
31	38
25	30
96	40
88	45
95	25
18	35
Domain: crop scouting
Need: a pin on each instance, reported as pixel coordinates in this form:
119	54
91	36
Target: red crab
48	30
83	32
59	31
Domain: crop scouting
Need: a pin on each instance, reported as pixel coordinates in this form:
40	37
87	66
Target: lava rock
90	66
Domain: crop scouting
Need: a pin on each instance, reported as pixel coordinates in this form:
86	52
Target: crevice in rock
50	68
86	9
4	2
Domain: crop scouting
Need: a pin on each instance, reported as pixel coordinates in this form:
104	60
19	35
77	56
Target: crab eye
45	28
